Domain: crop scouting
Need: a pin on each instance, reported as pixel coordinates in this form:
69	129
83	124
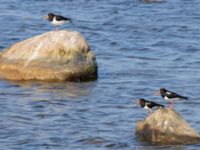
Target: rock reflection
59	89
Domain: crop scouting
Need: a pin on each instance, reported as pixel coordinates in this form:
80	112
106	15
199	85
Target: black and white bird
148	105
57	20
170	96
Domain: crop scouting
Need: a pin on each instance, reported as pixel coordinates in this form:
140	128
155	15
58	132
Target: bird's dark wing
172	95
60	18
151	104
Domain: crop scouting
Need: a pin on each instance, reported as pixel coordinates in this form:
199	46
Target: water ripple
140	47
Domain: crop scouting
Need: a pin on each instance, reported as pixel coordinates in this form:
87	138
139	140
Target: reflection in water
59	89
175	147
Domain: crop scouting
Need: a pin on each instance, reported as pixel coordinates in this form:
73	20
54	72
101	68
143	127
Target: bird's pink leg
149	113
171	104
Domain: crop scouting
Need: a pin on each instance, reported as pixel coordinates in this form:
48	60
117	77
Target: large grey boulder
166	127
56	55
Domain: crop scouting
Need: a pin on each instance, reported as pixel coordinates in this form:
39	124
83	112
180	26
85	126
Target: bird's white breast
146	107
166	98
172	99
58	23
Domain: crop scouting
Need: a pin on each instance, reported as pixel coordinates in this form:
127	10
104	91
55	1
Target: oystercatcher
57	20
148	105
169	95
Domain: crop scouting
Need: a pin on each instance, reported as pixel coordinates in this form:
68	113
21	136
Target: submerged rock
166	127
56	55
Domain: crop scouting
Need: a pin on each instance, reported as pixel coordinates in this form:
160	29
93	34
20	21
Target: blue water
139	48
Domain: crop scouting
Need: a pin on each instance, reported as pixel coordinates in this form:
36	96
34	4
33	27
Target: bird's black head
162	91
50	16
141	102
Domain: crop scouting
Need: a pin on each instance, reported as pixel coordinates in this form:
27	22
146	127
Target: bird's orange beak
157	93
46	18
